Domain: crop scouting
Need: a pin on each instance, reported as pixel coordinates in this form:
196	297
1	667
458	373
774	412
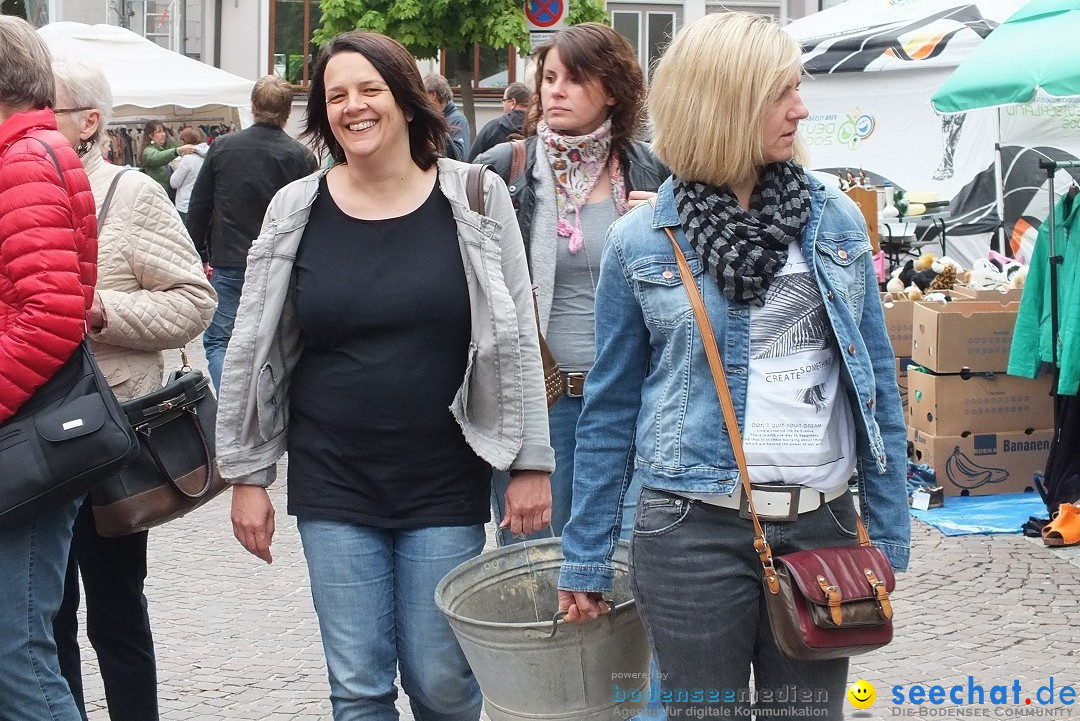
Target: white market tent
149	80
874	65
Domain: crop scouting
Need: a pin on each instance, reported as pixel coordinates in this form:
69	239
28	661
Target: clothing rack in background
1051	167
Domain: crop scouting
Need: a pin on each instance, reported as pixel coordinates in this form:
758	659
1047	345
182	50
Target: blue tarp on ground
966	515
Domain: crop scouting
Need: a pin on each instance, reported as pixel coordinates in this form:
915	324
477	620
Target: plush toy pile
928	274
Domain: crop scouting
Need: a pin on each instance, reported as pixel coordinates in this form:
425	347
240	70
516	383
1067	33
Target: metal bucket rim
486	558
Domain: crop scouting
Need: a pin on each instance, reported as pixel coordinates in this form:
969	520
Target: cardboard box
948	405
898	323
965	336
984	464
1012	295
902	380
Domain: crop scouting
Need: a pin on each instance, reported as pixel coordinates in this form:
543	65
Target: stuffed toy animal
945	279
924	261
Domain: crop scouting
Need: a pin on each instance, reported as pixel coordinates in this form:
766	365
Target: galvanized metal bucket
529	663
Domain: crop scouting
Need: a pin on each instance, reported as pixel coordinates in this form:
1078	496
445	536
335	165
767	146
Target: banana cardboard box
966	336
997	296
984	464
898	323
949	405
902	381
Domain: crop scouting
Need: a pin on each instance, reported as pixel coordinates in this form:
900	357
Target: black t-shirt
383	308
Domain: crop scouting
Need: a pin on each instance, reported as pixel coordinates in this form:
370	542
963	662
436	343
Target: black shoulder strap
474	187
108	199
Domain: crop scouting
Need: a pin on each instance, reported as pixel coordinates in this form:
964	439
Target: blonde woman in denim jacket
385	338
784	267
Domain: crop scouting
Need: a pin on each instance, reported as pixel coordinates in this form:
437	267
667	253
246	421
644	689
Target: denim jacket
500	405
650	404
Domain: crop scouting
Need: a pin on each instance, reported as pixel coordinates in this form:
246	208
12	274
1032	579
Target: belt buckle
793	504
568	379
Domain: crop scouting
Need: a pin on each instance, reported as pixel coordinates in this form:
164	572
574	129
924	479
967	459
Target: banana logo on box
966	473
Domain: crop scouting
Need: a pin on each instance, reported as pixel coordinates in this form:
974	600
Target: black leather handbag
174	472
68	437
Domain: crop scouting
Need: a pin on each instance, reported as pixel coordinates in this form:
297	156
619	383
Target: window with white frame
649	28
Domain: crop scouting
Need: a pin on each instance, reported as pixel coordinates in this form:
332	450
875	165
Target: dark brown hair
592	50
427	127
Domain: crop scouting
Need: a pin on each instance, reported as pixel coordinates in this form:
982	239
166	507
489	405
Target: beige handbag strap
723	392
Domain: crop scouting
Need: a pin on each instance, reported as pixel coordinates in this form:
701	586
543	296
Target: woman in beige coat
151	296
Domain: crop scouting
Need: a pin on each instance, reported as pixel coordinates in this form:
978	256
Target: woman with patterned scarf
580	169
784	267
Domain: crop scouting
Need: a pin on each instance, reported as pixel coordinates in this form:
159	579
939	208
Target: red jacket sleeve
48	260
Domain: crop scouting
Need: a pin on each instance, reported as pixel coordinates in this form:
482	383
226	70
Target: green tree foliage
588	11
426	27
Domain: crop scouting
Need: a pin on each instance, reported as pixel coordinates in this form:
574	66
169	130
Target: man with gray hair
460	134
508	126
241	173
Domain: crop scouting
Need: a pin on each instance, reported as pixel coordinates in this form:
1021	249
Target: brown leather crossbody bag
553	378
825	603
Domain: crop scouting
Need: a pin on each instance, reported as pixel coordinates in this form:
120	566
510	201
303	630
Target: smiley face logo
862	694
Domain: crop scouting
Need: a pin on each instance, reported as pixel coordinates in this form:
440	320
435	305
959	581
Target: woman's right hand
581	606
253	519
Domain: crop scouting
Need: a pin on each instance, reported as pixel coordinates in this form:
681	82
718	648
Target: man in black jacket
241	173
511	123
457	145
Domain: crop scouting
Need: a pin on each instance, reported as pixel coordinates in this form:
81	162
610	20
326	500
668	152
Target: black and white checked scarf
744	250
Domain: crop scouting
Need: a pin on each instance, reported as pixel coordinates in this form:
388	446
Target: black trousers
117	623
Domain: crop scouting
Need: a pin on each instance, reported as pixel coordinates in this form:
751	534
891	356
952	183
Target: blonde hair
710	93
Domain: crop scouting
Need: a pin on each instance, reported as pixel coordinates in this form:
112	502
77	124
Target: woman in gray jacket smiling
385	338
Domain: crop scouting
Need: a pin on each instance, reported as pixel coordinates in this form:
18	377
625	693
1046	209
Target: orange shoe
1064	528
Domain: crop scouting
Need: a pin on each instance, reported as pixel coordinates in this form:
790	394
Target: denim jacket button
667	274
830	296
842	254
851	349
869	402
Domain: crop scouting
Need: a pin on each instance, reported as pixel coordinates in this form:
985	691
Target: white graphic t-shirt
798	428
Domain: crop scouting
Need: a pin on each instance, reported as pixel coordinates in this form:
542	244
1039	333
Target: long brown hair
592	50
148	130
427	129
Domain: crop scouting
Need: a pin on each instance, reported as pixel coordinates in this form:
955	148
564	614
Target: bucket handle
561	613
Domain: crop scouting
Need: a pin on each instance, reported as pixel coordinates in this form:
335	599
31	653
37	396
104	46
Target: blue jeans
33	562
706	615
374	593
113	574
228	282
562	427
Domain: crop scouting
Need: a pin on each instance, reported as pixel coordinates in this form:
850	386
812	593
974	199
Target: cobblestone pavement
237	639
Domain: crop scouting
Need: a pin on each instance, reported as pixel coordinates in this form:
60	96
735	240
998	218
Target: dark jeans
697	581
117	623
228	282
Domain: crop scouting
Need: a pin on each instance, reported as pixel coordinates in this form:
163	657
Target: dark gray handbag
174	472
68	437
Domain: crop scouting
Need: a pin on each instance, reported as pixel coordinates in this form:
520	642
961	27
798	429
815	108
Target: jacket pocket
843	259
660	290
265	404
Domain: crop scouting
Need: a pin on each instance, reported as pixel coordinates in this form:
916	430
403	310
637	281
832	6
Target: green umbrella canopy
1037	48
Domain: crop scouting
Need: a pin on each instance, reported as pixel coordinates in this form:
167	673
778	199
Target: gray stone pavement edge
237	639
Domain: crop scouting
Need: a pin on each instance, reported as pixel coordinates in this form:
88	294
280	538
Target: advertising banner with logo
894	132
874	65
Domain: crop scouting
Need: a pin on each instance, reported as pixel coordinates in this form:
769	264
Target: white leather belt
777	503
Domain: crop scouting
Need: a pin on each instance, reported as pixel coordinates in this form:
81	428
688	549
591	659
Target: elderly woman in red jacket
48	267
